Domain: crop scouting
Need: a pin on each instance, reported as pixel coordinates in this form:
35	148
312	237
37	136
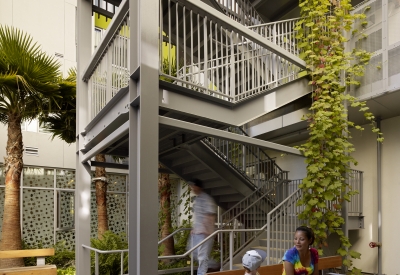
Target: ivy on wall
324	28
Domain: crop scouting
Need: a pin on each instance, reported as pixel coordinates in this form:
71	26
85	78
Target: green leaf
341	252
312	202
329	196
355	254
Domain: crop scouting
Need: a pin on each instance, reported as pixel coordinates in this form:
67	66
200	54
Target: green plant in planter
322	33
110	264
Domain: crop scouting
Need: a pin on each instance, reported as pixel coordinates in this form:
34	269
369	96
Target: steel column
82	189
379	195
143	137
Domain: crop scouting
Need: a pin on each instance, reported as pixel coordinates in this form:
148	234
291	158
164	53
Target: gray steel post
82	188
379	183
143	137
385	44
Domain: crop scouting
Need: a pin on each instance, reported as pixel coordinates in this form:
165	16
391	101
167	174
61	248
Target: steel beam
107	141
143	137
82	177
207	131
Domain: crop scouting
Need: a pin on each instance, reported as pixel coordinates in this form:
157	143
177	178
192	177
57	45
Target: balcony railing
281	33
203	52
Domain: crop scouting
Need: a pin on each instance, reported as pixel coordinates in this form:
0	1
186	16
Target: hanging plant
321	33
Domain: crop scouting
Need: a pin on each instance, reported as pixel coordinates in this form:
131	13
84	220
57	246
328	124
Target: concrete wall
366	155
52	153
294	164
51	23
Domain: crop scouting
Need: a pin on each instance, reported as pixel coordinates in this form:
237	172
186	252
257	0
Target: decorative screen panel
68	237
394	68
38	217
372	79
66	213
394	59
38	177
65	178
369	36
116	211
116	182
393	21
372	43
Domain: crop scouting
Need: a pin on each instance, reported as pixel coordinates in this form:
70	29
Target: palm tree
28	78
61	122
165	219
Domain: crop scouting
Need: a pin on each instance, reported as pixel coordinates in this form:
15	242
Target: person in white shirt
205	212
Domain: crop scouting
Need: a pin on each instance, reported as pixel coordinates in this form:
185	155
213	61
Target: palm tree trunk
164	189
101	198
11	229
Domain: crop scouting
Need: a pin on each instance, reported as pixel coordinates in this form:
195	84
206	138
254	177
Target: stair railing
231	235
355	180
241	11
282	221
282	33
250	161
251	213
279	225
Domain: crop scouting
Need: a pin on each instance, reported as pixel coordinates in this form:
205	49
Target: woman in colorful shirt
302	259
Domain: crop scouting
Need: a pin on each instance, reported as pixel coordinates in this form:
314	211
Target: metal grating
394	64
372	43
372	79
393	21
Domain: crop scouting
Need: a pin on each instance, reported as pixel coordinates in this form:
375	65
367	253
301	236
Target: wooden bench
323	263
39	269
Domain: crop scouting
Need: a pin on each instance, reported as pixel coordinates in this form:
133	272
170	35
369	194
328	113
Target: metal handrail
231	238
173	233
98	251
249	150
240	15
263	194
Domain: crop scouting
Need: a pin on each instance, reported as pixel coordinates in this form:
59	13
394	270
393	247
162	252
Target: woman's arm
316	271
289	268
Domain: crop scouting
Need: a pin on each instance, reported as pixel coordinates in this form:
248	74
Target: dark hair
309	232
196	182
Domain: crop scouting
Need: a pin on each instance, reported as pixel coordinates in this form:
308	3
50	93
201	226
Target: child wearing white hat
252	261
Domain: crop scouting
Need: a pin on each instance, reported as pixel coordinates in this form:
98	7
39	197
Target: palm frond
28	76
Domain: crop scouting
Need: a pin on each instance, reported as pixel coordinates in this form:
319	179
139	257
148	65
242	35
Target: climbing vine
322	31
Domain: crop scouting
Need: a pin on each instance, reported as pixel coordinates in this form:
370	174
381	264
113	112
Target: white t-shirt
204	206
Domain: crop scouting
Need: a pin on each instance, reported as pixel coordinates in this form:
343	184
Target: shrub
109	264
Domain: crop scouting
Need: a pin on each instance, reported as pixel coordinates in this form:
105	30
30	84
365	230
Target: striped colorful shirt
292	256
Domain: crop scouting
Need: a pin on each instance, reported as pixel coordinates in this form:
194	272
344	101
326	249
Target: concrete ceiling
274	10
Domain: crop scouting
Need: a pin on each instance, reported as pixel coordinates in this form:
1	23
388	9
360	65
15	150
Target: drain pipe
379	182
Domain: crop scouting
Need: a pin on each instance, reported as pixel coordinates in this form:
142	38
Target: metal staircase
229	170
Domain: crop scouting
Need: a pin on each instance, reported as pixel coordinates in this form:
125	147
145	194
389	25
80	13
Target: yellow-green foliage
321	33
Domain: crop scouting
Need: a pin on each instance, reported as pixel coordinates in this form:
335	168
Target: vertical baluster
169	38
191	49
160	48
177	39
184	46
198	53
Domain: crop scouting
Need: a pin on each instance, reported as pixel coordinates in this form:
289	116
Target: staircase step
223	191
231	198
196	169
214	183
263	242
